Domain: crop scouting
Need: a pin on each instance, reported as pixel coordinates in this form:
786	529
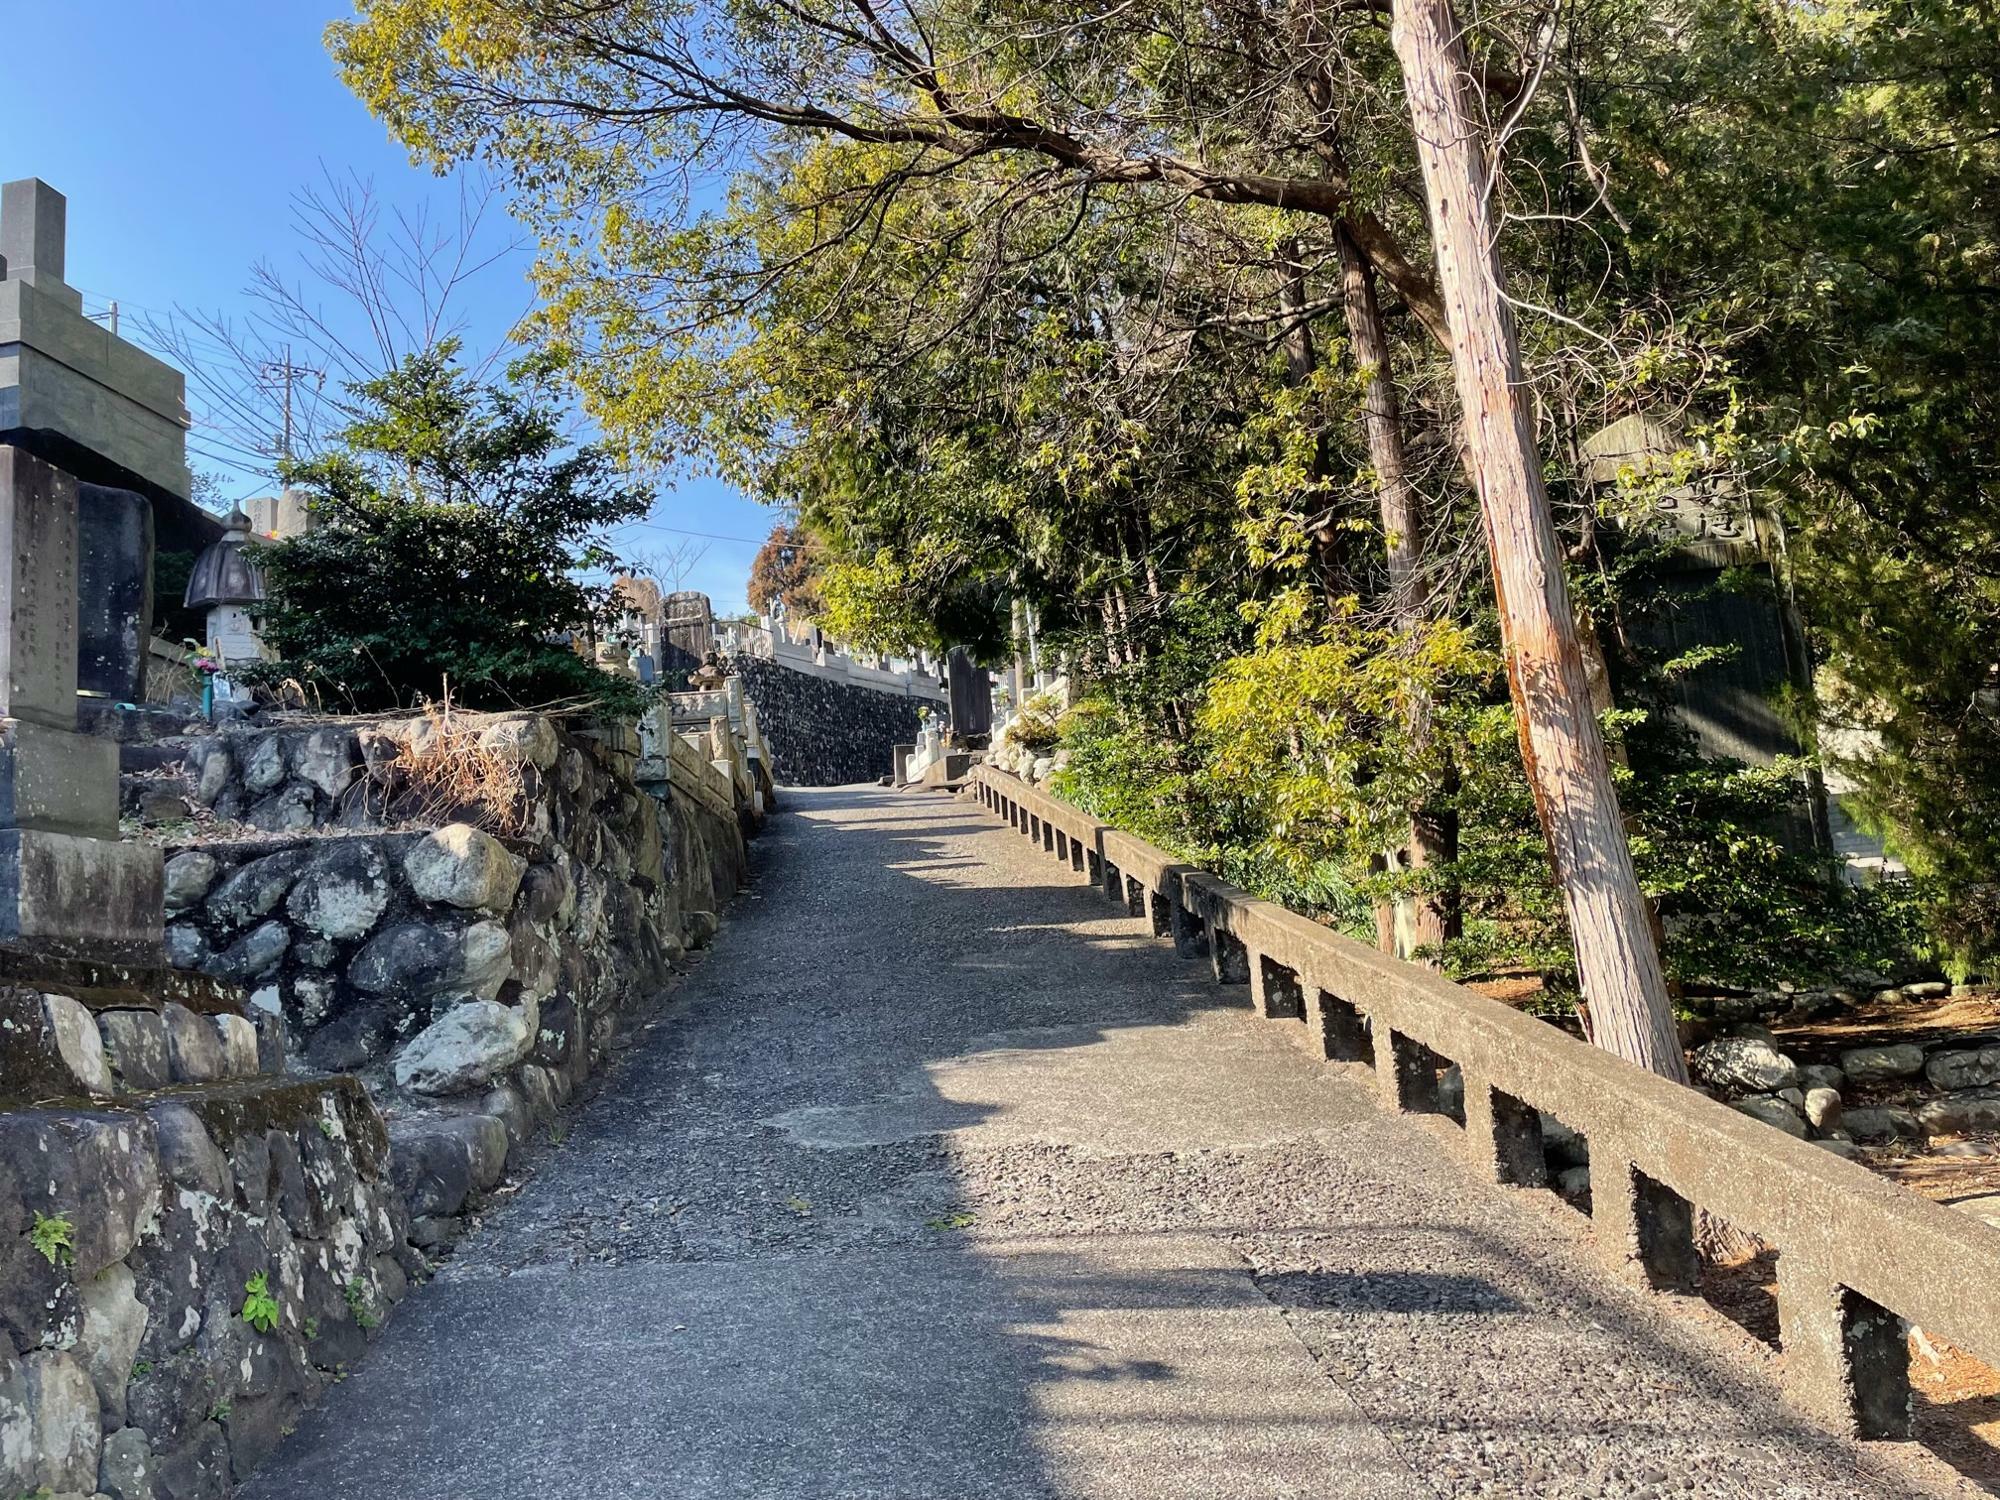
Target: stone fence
1859	1258
192	1245
450	908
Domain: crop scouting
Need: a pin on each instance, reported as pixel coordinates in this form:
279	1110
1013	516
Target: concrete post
1227	959
1190	933
1845	1357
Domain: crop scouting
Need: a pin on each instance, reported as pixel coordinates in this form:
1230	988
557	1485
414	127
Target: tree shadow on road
765	1265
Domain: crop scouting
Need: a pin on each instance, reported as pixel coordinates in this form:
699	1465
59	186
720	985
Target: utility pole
1562	750
284	371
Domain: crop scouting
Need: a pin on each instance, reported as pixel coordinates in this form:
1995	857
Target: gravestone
1730	703
79	408
278	517
67	885
114	591
688	624
970	690
72	391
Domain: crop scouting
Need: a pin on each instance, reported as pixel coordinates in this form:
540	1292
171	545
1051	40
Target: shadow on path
939	1178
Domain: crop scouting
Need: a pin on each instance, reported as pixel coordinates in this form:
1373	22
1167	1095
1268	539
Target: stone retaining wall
155	1178
559	883
471	972
402	946
821	732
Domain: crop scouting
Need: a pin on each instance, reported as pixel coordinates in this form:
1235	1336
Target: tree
371	288
456	533
786	571
1074	309
1814	185
1618	962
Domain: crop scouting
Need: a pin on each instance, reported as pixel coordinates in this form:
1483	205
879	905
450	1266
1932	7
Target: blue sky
180	134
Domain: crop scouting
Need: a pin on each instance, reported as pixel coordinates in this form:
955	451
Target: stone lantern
226	584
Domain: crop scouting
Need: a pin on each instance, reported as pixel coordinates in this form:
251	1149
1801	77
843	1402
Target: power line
284	370
707	536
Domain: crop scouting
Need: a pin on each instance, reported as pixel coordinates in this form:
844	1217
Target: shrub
455	531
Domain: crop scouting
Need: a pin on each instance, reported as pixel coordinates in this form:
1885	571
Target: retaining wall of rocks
1901	1091
158	1180
399	947
825	733
469	972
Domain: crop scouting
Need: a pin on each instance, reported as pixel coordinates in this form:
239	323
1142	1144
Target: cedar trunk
1618	962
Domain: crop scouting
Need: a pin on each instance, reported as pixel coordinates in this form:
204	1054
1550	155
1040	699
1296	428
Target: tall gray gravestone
970	688
79	408
67	884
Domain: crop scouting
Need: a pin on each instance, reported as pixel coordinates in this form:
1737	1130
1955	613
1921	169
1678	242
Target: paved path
938	1179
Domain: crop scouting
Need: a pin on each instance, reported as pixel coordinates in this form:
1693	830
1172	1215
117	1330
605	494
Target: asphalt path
939	1177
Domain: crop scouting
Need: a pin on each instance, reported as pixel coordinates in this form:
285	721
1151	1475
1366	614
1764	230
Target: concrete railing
1859	1258
717	766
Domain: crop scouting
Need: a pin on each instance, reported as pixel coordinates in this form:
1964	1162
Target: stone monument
970	689
78	407
227	588
67	884
114	591
1730	703
688	628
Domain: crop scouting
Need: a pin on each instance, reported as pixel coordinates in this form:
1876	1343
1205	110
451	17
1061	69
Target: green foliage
455	531
1303	769
1819	198
1315	743
54	1238
356	1294
986	367
260	1309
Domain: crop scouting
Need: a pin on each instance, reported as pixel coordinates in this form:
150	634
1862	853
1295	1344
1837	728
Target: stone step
58	1047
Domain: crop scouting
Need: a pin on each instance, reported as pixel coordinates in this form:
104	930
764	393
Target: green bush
1300	770
455	532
